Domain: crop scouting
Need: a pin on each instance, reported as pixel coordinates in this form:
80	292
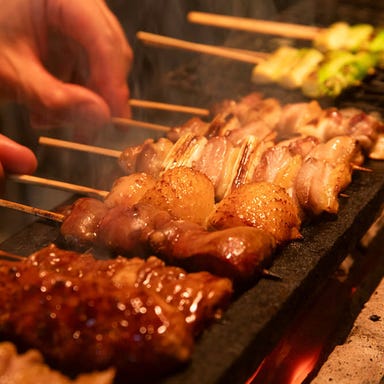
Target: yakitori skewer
315	73
63	186
339	35
168	107
53	216
59	218
297	31
170	42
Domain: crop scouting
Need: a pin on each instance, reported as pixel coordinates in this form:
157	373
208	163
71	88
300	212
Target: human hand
66	60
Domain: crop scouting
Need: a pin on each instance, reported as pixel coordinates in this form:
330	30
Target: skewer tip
266	273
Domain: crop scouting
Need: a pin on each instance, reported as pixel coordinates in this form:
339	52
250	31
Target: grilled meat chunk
143	229
240	253
264	206
85	314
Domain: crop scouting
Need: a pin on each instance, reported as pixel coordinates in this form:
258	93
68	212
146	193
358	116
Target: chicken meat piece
297	115
319	183
194	125
280	167
128	190
339	149
147	157
264	206
252	107
239	253
82	218
183	192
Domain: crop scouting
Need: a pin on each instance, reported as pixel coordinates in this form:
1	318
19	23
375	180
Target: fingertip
16	158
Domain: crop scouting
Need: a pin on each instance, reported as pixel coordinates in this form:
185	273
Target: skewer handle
168	107
136	123
170	42
53	216
78	147
10	256
297	31
63	186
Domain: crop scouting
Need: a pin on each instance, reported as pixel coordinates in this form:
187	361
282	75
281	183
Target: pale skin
67	61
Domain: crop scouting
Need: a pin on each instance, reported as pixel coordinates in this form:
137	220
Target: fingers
101	36
52	102
15	158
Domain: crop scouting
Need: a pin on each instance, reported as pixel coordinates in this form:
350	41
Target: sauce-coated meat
86	314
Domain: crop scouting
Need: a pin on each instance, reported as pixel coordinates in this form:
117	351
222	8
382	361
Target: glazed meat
201	297
240	253
82	220
142	229
264	206
86	314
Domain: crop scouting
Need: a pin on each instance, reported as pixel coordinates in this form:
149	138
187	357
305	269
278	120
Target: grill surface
253	324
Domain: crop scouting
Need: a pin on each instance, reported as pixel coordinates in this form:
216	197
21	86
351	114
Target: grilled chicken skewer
134	315
317	74
245	151
238	253
339	35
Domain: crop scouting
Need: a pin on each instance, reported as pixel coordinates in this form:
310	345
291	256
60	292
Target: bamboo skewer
54	216
170	42
298	31
136	123
114	153
28	179
168	107
79	147
10	256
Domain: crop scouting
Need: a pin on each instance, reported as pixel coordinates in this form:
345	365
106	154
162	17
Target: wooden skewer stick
298	31
79	147
356	167
28	179
10	256
170	42
168	107
54	216
120	121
